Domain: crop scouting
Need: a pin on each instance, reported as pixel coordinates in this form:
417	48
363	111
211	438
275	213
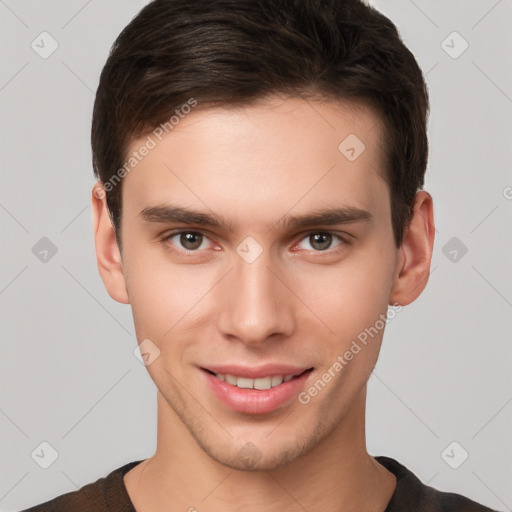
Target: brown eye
320	241
186	241
190	240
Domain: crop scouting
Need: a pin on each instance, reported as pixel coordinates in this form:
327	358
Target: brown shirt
109	494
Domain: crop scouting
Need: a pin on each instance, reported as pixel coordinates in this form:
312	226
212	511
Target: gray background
68	376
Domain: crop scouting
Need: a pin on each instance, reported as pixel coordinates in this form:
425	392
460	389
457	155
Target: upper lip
256	372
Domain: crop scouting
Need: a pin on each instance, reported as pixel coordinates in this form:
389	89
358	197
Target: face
255	247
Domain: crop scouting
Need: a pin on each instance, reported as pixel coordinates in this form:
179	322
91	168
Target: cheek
352	302
152	290
350	297
166	298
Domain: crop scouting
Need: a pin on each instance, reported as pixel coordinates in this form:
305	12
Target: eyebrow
327	216
169	213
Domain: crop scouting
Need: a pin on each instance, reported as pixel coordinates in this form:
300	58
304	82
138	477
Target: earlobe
108	256
415	254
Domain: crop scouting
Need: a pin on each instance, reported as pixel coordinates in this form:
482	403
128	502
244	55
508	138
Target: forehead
292	153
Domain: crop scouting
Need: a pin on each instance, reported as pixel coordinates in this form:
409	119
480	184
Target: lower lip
255	401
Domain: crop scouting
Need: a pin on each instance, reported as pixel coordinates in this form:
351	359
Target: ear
415	253
108	255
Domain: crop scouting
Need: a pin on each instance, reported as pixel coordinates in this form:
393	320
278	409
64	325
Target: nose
256	303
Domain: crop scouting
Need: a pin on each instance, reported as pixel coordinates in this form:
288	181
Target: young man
259	206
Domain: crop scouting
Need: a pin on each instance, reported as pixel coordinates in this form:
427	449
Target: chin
261	455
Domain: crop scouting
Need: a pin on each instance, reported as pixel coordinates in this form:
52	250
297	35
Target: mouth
256	391
260	383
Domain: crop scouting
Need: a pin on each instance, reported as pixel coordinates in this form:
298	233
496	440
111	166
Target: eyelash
342	239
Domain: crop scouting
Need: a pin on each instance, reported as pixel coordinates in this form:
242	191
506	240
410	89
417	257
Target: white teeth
231	379
276	380
245	383
261	383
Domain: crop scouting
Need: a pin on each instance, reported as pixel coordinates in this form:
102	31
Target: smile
261	383
258	390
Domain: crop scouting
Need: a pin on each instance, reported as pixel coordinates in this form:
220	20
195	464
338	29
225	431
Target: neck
336	474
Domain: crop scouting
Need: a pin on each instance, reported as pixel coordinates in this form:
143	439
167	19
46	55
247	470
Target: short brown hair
233	52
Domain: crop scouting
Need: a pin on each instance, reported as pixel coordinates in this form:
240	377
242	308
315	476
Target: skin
294	304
